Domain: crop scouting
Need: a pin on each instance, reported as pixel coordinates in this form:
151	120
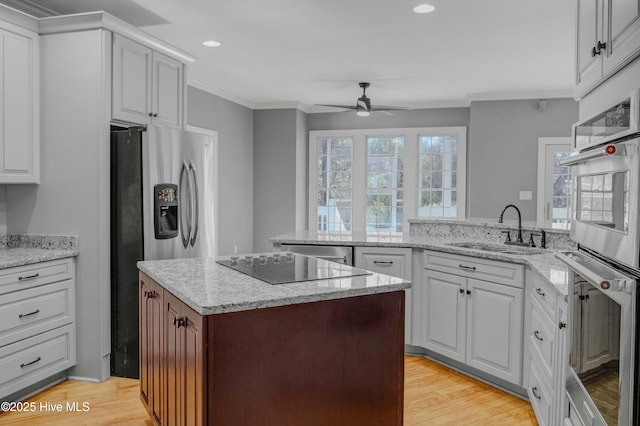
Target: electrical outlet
526	195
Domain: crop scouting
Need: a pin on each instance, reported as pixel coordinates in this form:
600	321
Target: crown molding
18	17
214	90
104	20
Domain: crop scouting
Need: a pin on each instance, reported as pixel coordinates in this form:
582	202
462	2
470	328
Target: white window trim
541	208
411	136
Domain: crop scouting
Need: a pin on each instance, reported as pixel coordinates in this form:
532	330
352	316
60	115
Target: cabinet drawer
394	262
28	276
539	395
36	358
32	311
545	294
542	339
483	269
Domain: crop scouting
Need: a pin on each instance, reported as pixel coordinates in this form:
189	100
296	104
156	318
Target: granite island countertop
546	265
210	288
20	250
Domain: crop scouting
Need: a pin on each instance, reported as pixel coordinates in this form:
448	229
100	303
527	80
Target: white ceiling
279	53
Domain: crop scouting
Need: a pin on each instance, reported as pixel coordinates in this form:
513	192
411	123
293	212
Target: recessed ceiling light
211	43
424	8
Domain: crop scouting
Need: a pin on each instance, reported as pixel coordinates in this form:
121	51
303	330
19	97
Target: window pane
334	182
438	179
385	162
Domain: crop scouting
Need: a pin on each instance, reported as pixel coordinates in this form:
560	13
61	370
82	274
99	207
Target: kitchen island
220	347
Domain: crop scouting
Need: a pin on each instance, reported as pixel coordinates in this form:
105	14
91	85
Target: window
554	184
334	186
438	183
385	169
372	181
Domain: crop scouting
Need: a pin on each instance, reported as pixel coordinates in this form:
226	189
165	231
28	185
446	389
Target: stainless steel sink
499	248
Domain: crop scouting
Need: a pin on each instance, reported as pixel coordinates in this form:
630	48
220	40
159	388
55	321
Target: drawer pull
467	268
30	363
540	292
28	277
29	314
383	262
537	335
534	391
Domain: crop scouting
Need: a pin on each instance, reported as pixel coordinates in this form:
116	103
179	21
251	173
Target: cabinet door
193	368
151	346
623	33
446	312
599	328
494	329
19	118
131	99
589	32
561	363
184	364
390	261
167	91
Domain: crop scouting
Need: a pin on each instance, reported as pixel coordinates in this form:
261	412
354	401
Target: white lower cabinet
546	352
390	261
474	312
37	323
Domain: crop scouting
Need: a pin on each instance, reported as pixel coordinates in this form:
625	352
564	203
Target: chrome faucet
519	238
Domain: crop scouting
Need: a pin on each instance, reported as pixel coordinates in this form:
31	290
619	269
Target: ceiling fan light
362	113
211	43
424	8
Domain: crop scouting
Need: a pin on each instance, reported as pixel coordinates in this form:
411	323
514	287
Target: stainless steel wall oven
602	383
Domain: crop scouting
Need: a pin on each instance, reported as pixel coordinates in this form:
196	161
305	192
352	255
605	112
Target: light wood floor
434	395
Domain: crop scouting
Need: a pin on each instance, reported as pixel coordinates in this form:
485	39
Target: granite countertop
210	288
546	265
19	250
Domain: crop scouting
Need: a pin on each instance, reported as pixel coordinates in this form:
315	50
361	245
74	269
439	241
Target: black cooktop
286	268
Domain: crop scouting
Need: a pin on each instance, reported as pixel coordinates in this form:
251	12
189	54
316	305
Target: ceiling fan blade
388	108
384	111
338	106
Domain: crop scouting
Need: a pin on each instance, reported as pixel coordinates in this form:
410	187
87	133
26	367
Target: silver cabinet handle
540	292
338	259
194	193
467	268
383	262
534	391
29	314
30	363
28	277
537	335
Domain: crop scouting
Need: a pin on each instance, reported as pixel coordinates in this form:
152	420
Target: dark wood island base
332	362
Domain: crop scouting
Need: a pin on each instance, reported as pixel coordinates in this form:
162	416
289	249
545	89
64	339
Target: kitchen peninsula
220	347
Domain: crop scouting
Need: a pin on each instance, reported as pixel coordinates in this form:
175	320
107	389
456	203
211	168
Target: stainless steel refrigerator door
161	163
199	155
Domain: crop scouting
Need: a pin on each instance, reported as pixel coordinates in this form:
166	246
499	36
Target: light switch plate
526	195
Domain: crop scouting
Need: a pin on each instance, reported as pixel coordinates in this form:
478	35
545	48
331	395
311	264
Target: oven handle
592	276
606	151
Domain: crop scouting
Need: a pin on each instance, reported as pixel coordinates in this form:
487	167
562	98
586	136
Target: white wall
503	150
73	197
275	170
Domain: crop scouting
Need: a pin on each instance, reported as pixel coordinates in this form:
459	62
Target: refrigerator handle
185	234
196	207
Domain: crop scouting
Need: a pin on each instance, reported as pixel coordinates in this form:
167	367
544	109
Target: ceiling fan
363	105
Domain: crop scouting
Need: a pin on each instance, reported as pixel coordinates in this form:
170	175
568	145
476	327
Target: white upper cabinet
608	38
19	117
148	87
